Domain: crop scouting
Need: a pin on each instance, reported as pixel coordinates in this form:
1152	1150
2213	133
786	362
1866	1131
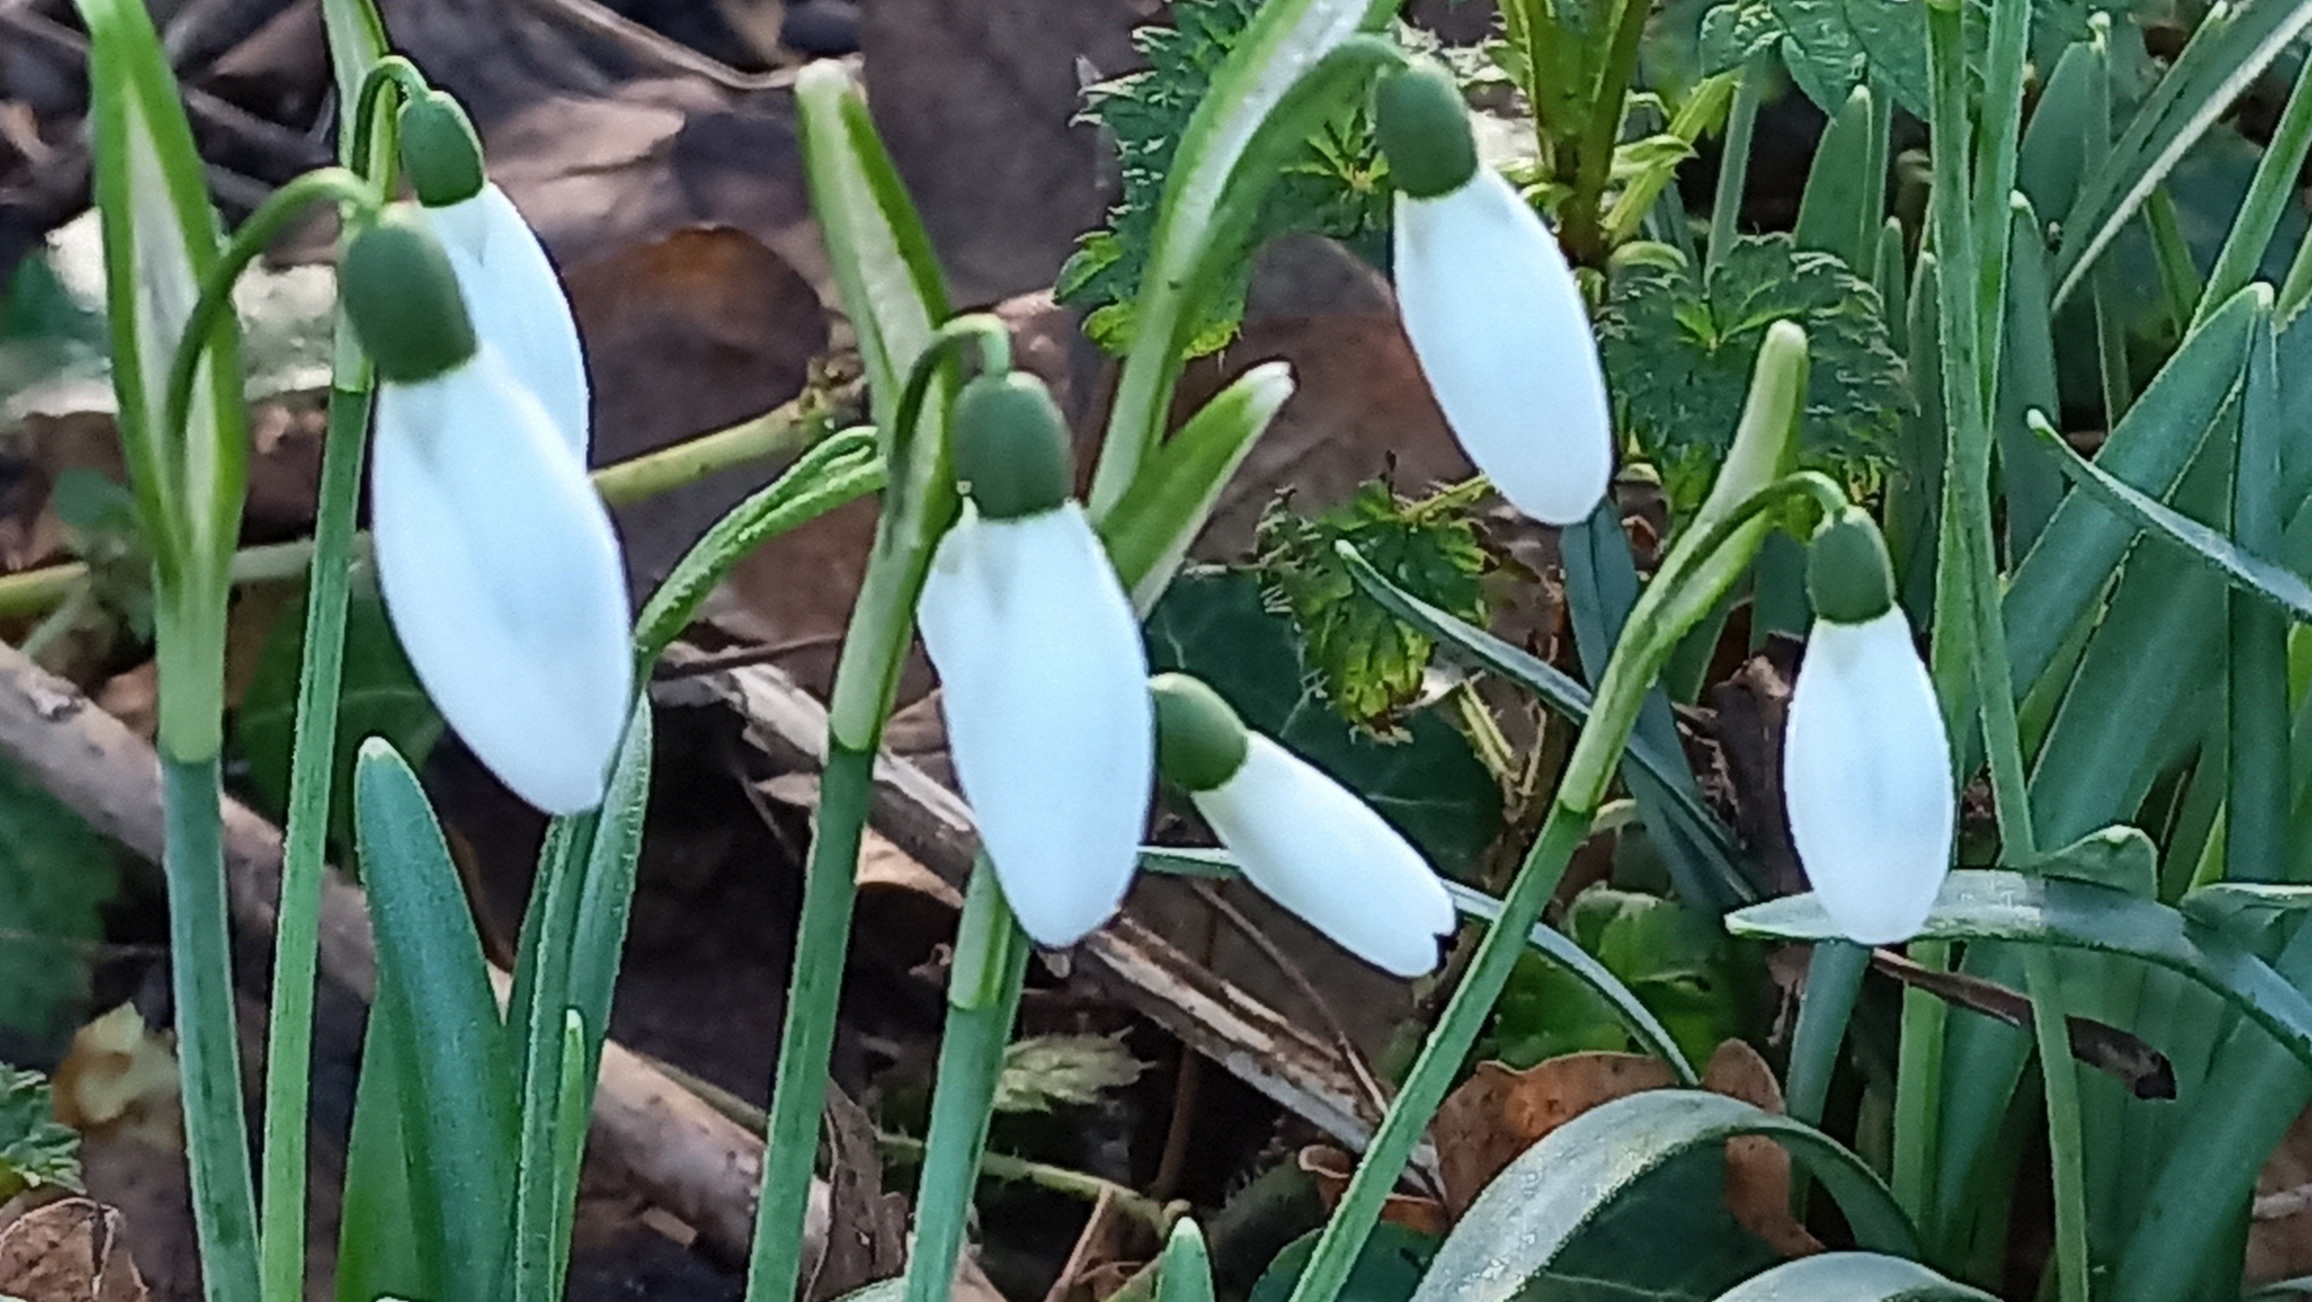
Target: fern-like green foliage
1679	347
1336	187
34	1150
1367	663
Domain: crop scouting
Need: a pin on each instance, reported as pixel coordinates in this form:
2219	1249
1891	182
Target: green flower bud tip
1200	743
402	297
1423	127
1847	572
440	151
1011	446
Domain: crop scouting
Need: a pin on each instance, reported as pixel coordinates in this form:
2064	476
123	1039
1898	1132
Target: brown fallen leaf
1499	1113
68	1251
1757	1168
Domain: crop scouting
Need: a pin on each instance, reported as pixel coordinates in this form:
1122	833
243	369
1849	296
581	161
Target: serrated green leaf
1369	663
1679	350
1333	187
34	1149
1043	1072
1388	1268
55	875
1431	786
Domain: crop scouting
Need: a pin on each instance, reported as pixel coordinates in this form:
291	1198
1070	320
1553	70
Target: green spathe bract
402	296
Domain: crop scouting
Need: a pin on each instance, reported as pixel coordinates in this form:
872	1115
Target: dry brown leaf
68	1251
1757	1168
1498	1113
1331	1169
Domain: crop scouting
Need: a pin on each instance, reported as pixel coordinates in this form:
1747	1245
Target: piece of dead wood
1300	1071
74	1250
683	1154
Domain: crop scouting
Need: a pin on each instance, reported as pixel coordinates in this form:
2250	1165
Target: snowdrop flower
1041	666
510	288
496	557
1301	838
1492	310
1866	765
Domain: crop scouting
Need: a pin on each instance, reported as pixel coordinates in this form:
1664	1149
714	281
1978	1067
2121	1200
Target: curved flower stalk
1301	838
1866	764
1492	309
496	557
1042	669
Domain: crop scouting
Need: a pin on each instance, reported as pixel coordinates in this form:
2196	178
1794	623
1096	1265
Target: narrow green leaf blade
1851	1277
429	952
2005	906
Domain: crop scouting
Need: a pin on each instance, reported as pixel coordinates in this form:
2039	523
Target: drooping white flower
1866	763
497	560
1301	838
1493	312
517	304
1042	672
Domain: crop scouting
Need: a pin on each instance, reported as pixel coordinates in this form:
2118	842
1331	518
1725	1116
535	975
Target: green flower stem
778	433
866	677
289	1053
1919	1090
208	1046
791	1137
1734	163
983	998
1833	976
535	1260
1970	633
393	72
255	235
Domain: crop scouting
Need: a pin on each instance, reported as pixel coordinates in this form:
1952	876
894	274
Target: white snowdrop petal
1311	845
517	304
1044	683
1498	325
1867	778
503	579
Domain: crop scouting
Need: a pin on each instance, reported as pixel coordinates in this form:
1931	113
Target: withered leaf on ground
68	1251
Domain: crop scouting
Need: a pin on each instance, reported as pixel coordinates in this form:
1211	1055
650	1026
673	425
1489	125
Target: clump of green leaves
34	1149
1679	346
1677	959
1367	662
1335	187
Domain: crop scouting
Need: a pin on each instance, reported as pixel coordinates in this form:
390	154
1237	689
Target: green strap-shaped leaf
1542	1201
1186	1272
2052	911
2084	542
1851	1277
2232	47
429	953
2247	573
1555	689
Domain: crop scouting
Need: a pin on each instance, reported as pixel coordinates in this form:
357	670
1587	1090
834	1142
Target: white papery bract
517	304
1306	842
1498	325
1044	683
503	578
1866	773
